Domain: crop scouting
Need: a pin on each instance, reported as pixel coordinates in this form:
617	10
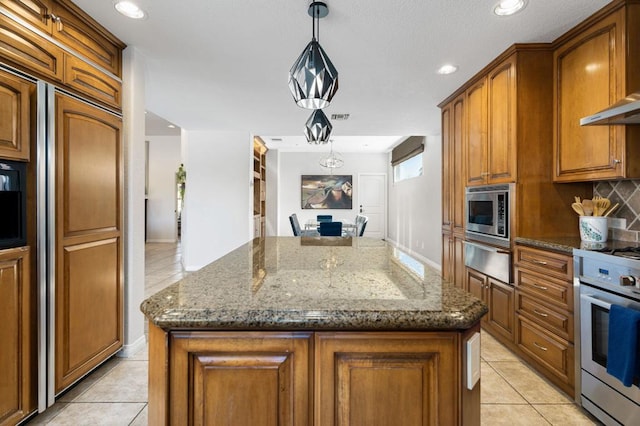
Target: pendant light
313	80
333	160
318	128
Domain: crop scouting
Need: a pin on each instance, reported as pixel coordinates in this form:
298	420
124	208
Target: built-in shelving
259	186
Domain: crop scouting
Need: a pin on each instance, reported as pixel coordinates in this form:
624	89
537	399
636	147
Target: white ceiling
223	64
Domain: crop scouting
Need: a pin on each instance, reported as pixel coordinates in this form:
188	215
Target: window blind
411	147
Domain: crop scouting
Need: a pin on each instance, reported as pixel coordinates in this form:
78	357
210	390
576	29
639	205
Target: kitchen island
312	330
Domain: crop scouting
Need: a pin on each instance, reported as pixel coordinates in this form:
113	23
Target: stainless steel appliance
626	111
13	200
492	261
487	213
605	278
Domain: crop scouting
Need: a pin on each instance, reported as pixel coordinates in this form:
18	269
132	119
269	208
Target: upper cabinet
15	116
58	42
476	133
596	65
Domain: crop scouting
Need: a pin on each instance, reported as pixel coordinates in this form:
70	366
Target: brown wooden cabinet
544	313
90	81
17	336
304	378
596	65
89	261
16	97
35	12
499	297
475	133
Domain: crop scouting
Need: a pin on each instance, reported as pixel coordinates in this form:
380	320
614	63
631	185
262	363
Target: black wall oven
13	204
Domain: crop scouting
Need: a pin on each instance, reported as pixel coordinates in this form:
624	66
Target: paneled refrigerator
74	233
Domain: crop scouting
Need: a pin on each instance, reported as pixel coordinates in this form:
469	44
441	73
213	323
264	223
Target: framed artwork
327	191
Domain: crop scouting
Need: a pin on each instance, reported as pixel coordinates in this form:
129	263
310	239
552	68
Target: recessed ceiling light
509	7
447	69
129	9
171	126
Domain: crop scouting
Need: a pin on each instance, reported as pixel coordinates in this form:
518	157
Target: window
408	168
406	158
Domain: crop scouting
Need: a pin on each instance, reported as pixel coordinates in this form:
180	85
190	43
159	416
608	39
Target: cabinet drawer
549	263
559	323
559	293
25	49
555	354
92	82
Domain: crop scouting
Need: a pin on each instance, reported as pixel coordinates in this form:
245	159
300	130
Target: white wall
164	160
134	180
217	211
272	204
415	213
291	165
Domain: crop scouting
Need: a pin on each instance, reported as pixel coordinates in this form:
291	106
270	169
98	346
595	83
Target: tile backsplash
627	193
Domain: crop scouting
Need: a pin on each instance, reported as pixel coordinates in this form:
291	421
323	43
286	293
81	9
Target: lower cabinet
499	297
305	378
17	337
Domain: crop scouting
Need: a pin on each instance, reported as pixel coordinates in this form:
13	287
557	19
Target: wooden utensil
600	206
587	206
577	207
615	206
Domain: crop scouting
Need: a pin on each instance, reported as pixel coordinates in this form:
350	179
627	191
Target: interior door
88	238
372	202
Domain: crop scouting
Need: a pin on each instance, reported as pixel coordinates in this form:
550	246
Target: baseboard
418	256
161	241
132	349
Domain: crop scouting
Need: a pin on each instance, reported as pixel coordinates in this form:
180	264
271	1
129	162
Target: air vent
276	139
339	116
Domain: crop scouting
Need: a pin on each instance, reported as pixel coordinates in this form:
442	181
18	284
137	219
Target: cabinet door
380	378
92	82
476	133
476	285
447	256
15	116
17	351
243	378
459	274
500	298
35	12
26	50
88	251
85	39
589	77
501	141
457	148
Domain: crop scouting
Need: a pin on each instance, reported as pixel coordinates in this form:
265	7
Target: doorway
372	202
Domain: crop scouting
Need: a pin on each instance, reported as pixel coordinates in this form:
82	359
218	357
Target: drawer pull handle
539	262
542	314
540	346
541	287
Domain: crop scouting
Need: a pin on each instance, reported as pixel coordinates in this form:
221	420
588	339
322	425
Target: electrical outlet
617	222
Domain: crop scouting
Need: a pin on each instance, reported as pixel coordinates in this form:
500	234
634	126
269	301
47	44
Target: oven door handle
596	301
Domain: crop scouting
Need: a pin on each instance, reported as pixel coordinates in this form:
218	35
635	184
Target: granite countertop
567	244
314	283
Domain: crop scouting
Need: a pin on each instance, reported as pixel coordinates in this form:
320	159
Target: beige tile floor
116	393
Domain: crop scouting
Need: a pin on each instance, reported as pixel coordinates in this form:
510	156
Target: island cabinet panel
595	66
17	346
15	116
378	378
240	378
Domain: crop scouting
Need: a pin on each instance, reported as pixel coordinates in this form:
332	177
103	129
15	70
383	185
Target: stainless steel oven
487	213
604	280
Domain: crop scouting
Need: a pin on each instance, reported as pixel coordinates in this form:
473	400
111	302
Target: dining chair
295	225
324	218
330	229
364	225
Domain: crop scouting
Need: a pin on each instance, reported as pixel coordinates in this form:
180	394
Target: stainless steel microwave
487	213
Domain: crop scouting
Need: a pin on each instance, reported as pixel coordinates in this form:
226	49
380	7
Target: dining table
349	229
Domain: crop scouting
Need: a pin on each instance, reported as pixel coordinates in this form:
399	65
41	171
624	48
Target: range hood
627	111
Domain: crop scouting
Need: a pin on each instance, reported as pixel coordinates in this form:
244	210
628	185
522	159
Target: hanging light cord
315	33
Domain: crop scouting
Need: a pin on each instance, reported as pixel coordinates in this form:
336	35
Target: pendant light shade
313	80
318	128
333	160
